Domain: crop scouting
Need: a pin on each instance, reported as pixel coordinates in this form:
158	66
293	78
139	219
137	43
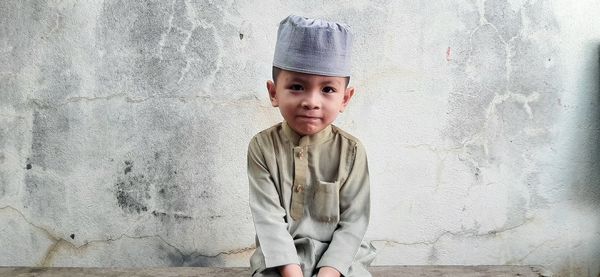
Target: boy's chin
308	130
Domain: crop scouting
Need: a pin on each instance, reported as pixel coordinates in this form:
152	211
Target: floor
378	271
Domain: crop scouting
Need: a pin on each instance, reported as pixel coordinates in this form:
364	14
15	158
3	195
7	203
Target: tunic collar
313	139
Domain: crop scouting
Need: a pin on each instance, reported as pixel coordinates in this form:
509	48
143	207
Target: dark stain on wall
173	192
132	191
128	166
55	80
165	217
4	175
533	183
50	139
203	261
45	196
45	192
433	256
20	38
13	145
39	42
157	186
194	260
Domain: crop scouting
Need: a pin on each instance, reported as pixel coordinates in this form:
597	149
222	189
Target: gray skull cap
313	46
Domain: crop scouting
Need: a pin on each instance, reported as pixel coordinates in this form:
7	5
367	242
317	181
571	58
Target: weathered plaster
125	126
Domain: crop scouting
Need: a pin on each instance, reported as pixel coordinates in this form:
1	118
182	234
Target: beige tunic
309	198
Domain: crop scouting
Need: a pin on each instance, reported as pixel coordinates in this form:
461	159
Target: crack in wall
433	148
226	253
520	260
12	116
49	235
64	244
470	233
254	101
60	244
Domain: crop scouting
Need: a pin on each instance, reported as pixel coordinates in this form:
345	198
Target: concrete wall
124	127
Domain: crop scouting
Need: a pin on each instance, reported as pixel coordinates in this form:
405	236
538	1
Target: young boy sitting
309	181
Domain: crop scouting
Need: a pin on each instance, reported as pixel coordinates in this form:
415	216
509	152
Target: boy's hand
327	271
290	270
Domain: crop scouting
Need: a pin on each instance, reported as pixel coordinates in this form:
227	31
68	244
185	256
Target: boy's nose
311	101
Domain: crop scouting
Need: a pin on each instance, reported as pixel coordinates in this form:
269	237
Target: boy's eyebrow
297	79
334	82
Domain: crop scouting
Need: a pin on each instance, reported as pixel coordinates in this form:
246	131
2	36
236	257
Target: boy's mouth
308	118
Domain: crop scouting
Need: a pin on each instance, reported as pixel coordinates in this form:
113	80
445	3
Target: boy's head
311	71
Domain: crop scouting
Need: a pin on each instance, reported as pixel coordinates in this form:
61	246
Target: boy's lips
308	117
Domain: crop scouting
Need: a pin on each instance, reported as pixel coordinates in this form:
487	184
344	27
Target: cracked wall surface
124	129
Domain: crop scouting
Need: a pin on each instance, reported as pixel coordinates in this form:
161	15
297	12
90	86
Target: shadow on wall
584	168
594	185
588	183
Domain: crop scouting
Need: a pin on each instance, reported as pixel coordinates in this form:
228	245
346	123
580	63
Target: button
299	188
301	154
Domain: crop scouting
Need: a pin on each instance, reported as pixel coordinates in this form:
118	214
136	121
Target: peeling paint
505	70
168	54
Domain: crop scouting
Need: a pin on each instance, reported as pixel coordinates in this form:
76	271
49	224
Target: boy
309	182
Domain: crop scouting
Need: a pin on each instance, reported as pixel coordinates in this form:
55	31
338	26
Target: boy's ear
347	96
272	93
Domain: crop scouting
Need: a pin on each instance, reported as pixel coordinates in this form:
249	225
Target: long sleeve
354	216
275	240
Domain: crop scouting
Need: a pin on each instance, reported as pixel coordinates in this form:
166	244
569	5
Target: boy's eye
328	89
296	87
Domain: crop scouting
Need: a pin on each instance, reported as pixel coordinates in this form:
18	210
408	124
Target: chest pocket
326	202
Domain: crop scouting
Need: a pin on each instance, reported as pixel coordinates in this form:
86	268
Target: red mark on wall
448	52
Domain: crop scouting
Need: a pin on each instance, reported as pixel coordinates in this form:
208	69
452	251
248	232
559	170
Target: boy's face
308	102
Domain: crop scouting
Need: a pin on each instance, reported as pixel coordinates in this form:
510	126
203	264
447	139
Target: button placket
300	171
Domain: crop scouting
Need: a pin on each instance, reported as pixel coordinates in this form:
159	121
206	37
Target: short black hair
276	71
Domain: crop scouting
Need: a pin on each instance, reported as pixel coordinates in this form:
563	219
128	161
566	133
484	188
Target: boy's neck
304	140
